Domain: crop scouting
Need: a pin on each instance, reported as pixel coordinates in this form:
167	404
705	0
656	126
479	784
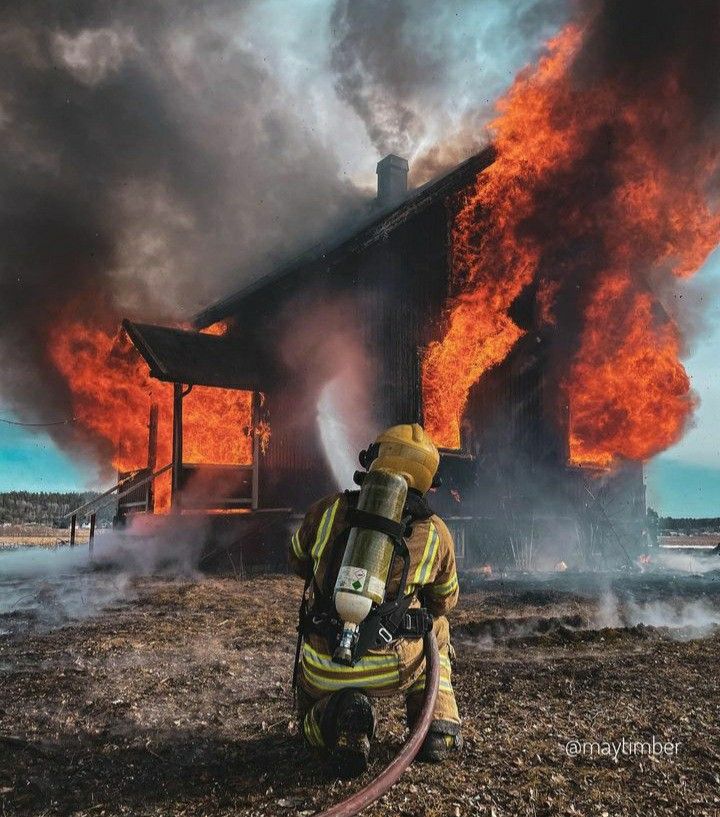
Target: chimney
392	173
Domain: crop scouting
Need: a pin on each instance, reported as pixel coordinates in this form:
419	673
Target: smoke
580	607
338	431
160	155
683	618
687	562
43	589
151	163
423	77
331	387
157	156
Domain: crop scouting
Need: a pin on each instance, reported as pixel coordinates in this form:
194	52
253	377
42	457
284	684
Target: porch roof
194	358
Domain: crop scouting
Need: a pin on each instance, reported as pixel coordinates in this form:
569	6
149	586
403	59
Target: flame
263	431
111	392
595	191
220	328
489	263
633	399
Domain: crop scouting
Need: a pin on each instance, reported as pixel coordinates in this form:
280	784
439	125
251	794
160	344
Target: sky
315	63
685	479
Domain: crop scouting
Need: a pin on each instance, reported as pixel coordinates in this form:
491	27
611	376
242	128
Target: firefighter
334	699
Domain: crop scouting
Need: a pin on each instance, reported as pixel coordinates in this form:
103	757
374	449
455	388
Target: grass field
697	540
39	536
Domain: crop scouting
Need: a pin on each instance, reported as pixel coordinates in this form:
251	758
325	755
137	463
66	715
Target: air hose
392	772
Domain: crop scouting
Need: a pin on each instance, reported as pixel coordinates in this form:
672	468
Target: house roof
375	227
194	358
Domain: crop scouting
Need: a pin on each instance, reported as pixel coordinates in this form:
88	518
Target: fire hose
392	772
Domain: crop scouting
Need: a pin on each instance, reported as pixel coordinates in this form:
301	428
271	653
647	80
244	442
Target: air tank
368	555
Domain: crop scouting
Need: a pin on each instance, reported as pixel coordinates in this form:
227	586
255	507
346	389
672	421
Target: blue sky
685	479
32	462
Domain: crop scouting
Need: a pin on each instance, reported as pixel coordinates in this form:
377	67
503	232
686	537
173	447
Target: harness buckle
416	622
385	634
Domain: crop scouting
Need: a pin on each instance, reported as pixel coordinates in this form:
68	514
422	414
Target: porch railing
127	485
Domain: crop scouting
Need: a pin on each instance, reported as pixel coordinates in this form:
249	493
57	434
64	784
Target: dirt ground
179	703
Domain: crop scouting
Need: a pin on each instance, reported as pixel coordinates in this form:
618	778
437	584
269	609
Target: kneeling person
334	698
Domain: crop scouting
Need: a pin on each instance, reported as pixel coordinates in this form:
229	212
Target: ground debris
181	703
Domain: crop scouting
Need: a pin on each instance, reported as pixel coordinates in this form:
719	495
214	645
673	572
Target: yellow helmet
408	450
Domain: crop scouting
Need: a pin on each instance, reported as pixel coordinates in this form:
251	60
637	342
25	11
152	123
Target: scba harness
386	622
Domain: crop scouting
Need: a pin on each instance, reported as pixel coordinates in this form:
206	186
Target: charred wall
509	495
390	295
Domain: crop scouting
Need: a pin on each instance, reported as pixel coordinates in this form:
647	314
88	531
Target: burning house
525	307
335	345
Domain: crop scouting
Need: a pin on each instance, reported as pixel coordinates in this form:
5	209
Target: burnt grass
179	703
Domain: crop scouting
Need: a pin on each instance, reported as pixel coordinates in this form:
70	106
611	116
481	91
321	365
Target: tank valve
344	650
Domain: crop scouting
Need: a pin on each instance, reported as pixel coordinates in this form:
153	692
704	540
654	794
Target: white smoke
687	562
46	588
41	589
333	386
684	619
91	55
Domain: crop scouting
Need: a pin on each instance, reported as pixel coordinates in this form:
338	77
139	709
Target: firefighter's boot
353	725
441	741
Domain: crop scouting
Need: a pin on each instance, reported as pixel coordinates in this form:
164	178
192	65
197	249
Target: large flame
630	399
112	392
595	192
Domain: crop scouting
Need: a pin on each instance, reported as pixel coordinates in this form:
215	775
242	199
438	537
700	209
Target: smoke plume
157	156
333	395
424	77
151	163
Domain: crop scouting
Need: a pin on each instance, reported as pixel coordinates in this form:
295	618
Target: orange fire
596	191
632	400
112	391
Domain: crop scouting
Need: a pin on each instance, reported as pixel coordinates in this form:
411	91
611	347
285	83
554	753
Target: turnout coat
432	576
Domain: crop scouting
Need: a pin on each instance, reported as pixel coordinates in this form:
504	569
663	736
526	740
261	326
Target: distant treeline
683	524
29	507
690	525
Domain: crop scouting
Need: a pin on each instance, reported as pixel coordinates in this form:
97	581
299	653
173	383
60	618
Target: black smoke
151	162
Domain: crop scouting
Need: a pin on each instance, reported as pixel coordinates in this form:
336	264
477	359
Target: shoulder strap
371	521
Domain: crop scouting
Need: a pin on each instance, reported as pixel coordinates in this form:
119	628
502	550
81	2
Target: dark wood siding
396	288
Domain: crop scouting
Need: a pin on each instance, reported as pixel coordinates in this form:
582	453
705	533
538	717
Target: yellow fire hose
392	772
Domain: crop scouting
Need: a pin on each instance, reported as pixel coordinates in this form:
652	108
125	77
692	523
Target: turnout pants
320	682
